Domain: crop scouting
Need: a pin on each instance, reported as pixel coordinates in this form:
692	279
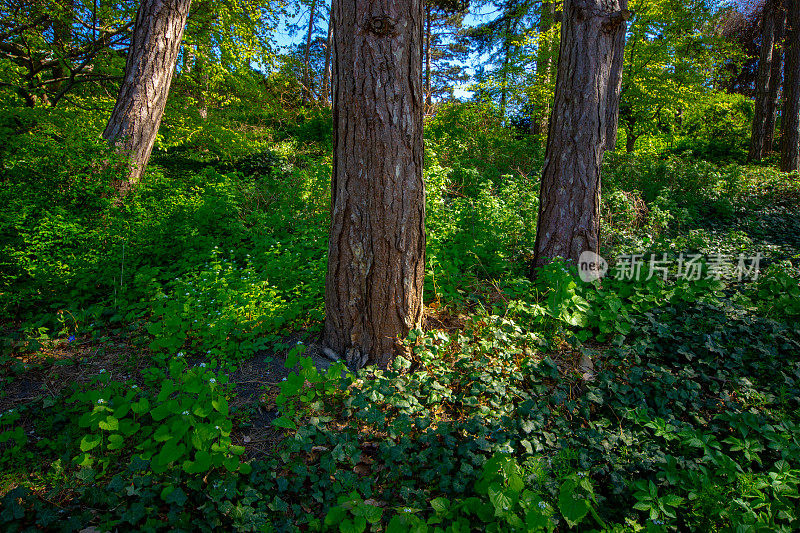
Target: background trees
133	126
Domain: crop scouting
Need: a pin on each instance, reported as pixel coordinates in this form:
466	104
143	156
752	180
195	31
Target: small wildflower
212	380
71	338
180	354
202	365
542	505
101	401
216	427
102	370
185	413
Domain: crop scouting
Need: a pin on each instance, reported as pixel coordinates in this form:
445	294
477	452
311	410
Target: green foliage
309	392
186	424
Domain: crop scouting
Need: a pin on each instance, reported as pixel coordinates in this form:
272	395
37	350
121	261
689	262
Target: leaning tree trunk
544	66
326	75
790	141
428	91
373	293
764	82
586	87
156	40
306	59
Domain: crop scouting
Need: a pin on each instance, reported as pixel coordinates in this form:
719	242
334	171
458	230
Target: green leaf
142	406
109	424
221	405
115	442
572	508
89	442
284	422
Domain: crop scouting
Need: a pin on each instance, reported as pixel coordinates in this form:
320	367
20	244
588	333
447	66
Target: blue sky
287	39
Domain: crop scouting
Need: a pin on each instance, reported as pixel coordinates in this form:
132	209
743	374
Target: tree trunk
764	81
428	96
775	79
373	292
306	59
62	40
137	114
630	142
326	76
504	74
544	65
569	206
790	141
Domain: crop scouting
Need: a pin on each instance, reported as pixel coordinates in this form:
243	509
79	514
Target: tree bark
569	207
775	79
790	140
306	59
764	82
373	293
326	76
134	122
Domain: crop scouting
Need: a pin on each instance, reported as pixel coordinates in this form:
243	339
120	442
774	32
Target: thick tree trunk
569	207
306	59
764	81
428	95
790	141
373	292
156	40
326	76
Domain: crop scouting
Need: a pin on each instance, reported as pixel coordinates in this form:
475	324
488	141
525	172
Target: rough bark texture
790	141
156	40
569	207
373	292
758	146
775	79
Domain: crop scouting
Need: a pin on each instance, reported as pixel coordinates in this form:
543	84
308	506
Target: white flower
101	401
298	343
283	379
202	365
407	509
185	413
542	505
102	370
216	427
212	380
135	386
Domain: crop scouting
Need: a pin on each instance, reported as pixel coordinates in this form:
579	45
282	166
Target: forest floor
159	369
